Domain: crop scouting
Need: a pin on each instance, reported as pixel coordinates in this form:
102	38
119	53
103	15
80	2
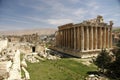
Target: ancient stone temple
84	39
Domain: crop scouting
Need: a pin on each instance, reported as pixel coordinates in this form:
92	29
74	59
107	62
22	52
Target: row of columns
85	38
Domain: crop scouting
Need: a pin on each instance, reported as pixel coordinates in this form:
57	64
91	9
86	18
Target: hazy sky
27	14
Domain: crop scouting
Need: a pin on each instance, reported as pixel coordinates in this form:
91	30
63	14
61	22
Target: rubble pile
10	64
36	57
95	77
31	58
47	54
26	75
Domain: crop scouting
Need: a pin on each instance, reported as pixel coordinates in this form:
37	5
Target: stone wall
3	44
10	65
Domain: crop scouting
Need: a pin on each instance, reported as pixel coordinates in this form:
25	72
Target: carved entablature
69	25
96	22
99	19
102	24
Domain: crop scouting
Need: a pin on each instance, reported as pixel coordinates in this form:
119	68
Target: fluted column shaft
107	37
66	38
110	37
91	38
75	38
72	38
96	38
87	34
57	38
100	37
62	38
104	37
82	38
78	38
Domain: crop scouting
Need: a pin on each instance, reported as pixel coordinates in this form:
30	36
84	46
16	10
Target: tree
118	44
103	60
115	66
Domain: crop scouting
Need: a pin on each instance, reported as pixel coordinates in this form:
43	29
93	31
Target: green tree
118	44
115	65
103	60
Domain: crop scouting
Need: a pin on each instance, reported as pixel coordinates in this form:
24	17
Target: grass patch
63	69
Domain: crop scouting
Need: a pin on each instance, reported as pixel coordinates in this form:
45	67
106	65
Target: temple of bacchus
84	39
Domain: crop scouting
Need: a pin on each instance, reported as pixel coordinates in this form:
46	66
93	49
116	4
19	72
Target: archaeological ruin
15	53
84	39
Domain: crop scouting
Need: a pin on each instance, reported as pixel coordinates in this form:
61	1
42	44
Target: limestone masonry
84	39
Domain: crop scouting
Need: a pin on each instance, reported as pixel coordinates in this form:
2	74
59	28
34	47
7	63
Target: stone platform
79	54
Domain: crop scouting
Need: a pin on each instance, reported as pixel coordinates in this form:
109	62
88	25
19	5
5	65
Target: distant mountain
116	27
43	31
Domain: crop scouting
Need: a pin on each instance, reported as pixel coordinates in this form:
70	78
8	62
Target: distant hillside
116	29
43	31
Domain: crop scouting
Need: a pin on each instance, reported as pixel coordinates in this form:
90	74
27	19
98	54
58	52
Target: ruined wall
3	44
33	38
39	48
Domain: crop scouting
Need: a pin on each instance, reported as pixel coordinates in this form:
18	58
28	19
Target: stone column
100	37
87	38
72	38
59	44
104	37
96	37
110	37
107	38
82	38
91	37
75	38
66	41
78	37
68	38
57	38
64	38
